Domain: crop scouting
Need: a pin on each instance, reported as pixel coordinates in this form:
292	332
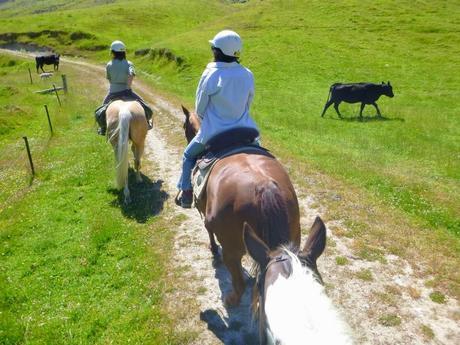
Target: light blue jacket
223	98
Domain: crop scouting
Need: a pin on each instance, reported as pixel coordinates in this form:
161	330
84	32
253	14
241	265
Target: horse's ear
383	82
316	241
256	248
389	83
186	112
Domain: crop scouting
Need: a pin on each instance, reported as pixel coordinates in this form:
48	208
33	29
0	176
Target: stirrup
180	201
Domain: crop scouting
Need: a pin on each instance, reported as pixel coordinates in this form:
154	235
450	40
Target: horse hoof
232	300
214	250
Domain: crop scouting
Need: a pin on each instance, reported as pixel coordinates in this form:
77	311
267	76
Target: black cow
366	93
53	59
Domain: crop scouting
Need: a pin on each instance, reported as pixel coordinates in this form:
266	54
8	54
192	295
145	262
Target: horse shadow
237	327
148	198
375	118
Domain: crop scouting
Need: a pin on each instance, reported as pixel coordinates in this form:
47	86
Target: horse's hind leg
138	150
212	243
233	263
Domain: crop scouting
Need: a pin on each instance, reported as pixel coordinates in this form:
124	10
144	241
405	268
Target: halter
267	337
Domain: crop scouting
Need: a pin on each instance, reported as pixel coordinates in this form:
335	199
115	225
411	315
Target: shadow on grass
147	197
375	118
237	327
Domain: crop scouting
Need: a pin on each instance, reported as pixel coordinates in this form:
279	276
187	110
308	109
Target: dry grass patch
365	275
427	332
390	320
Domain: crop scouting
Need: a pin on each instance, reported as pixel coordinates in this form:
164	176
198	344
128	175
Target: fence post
64	82
55	91
49	120
30	75
30	156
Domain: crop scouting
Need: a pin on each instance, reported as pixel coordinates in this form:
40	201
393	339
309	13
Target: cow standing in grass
53	59
366	93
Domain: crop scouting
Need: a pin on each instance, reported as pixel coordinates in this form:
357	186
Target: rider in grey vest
120	74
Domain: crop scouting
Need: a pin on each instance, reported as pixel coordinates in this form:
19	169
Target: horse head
287	282
191	124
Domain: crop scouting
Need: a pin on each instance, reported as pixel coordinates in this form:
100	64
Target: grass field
76	266
406	165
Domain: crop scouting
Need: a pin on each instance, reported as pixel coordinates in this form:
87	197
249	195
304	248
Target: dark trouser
125	95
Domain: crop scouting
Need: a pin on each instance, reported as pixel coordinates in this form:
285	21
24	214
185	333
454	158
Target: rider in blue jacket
223	98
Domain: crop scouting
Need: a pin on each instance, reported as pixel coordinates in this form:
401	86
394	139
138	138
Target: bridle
265	334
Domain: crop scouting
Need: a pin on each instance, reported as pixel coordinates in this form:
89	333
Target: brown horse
126	121
248	188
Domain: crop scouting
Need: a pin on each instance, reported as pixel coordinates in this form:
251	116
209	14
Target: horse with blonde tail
126	121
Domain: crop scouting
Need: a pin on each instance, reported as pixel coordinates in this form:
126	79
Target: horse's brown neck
192	126
195	122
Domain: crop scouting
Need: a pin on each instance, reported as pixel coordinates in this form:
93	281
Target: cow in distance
366	93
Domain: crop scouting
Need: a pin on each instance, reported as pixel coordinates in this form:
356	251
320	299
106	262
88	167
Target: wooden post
49	120
30	156
55	91
64	83
30	76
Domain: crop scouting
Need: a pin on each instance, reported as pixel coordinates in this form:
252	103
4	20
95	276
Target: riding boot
101	119
186	199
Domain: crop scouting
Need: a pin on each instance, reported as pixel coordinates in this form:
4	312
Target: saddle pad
204	167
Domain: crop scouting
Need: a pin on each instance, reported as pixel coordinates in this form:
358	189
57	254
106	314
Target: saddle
100	114
228	143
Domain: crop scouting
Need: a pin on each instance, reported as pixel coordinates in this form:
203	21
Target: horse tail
272	215
124	118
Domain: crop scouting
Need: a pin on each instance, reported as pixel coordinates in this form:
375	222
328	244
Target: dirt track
208	282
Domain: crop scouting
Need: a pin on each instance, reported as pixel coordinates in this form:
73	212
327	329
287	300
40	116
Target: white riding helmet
118	46
229	42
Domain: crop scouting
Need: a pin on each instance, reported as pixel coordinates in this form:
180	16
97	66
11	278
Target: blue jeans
193	149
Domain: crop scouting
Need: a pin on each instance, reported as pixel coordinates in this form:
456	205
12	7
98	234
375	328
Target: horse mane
311	317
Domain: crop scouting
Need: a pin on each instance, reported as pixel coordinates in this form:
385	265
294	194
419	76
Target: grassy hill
408	160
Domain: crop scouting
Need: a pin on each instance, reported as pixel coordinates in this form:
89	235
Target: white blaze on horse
126	121
293	307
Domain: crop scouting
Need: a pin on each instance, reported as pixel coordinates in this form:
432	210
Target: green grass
438	297
390	320
365	275
341	260
77	267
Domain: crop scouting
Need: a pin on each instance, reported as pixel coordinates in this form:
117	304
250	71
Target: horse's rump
255	189
126	121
